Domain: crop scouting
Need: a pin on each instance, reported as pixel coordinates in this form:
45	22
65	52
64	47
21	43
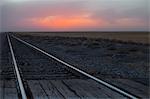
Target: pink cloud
76	21
129	22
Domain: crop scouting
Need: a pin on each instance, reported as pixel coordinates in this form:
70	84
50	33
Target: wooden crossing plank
65	90
135	85
50	90
71	88
1	89
106	90
85	89
131	86
37	91
10	91
96	92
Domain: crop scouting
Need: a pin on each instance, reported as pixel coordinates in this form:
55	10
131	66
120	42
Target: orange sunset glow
74	15
64	22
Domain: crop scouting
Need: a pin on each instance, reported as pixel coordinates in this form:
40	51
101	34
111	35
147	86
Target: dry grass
139	37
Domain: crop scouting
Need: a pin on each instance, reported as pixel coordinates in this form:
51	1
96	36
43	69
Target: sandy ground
139	37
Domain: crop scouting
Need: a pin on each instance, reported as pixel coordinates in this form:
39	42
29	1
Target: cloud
77	21
89	14
129	22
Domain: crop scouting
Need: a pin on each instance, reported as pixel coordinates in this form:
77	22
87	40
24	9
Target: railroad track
63	68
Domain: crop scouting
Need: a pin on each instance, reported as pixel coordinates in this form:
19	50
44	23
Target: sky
74	15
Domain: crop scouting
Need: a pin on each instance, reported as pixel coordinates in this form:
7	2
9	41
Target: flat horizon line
71	31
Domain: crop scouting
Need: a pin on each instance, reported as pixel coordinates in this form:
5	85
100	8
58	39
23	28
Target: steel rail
78	70
23	94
